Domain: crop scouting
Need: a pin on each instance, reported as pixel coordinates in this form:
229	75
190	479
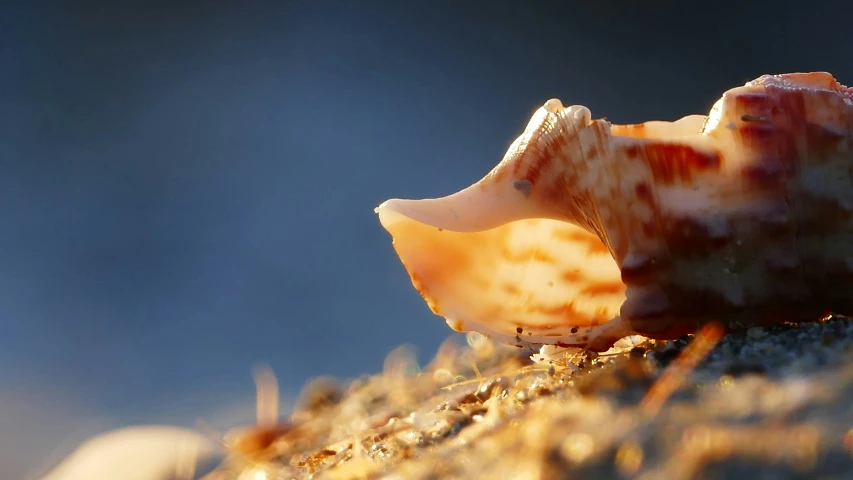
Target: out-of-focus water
187	189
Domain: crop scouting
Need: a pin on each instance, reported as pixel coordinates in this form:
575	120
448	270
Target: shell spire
587	232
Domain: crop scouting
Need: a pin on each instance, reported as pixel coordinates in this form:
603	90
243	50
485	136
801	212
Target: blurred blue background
187	188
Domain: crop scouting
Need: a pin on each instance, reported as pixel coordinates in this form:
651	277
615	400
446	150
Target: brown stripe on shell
592	152
565	310
791	117
607	288
643	192
672	162
511	289
765	172
687	235
573	276
526	255
753	103
759	135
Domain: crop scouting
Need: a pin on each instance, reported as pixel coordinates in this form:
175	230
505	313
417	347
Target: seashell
143	452
587	232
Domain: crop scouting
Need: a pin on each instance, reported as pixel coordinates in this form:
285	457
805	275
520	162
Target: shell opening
525	282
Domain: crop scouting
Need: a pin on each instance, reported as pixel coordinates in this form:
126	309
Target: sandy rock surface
768	403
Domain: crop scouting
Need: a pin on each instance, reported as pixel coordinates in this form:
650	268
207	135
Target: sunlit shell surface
587	232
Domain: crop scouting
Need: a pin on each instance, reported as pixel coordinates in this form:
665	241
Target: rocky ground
768	403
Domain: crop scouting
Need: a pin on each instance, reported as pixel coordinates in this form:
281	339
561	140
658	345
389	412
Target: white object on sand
152	452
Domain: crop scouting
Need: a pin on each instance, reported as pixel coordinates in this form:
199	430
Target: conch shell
587	232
